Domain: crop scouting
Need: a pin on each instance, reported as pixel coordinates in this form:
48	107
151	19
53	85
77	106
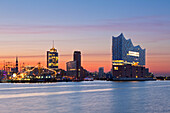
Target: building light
135	63
14	75
52	58
132	53
118	64
118	60
115	68
72	69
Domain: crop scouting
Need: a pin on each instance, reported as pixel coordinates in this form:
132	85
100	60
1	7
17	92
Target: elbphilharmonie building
128	61
124	52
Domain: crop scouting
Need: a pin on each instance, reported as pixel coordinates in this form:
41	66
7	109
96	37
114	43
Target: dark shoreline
40	81
113	79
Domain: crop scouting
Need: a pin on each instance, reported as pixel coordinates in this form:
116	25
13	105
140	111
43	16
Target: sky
27	28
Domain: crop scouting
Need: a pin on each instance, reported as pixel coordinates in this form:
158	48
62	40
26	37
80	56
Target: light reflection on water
86	97
44	87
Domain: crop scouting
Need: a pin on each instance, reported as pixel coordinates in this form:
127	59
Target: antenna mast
53	43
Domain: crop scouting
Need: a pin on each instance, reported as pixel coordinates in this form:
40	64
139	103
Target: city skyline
28	28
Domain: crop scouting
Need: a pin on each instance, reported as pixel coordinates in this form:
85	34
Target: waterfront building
77	59
129	71
128	61
95	74
124	52
52	58
101	72
109	75
71	65
74	68
2	74
16	69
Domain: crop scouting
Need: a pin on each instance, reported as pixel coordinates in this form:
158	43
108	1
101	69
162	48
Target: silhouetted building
109	75
16	69
71	65
95	74
129	71
83	73
77	58
52	58
2	74
101	72
74	68
71	69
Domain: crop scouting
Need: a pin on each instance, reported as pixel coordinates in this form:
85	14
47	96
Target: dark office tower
101	72
16	64
77	58
52	58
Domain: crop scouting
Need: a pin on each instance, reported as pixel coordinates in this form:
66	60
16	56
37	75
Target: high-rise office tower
101	72
77	58
52	58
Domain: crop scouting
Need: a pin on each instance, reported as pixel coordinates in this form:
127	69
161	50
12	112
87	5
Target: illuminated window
132	53
115	68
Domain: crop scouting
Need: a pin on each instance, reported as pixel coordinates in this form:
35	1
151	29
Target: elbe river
86	97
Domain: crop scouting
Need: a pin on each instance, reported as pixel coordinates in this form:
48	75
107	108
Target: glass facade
124	52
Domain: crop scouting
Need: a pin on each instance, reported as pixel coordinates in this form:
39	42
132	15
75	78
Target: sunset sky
27	28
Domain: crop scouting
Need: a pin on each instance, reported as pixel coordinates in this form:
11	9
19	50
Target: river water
86	97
